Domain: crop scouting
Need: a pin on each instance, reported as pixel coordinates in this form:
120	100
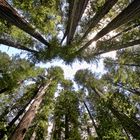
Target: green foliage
44	15
66	106
113	99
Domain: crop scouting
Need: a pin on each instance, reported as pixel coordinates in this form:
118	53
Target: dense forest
40	103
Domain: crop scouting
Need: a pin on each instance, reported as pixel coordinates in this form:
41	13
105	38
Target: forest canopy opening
43	99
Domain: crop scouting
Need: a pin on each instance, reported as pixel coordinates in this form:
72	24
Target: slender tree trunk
8	13
27	119
130	13
100	51
66	127
16	45
3	90
128	123
126	133
126	64
33	135
134	91
99	15
88	131
124	31
94	124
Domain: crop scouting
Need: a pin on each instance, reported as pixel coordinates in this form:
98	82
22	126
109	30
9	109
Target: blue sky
69	70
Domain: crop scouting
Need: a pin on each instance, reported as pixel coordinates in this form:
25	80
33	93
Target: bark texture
24	124
128	14
8	13
99	15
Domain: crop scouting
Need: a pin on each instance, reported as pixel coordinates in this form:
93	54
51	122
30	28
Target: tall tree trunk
15	45
126	64
33	134
10	124
99	15
94	124
8	13
100	50
128	123
27	119
130	13
76	14
124	31
66	127
4	90
134	91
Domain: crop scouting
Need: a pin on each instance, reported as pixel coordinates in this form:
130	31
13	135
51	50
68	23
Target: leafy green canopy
41	27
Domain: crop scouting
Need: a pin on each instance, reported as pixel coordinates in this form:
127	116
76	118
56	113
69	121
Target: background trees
38	103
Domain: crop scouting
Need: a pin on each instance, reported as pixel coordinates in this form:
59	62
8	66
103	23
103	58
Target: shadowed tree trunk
66	127
99	50
134	91
130	13
25	122
76	10
16	45
124	31
3	90
76	14
8	13
94	124
10	124
99	15
128	123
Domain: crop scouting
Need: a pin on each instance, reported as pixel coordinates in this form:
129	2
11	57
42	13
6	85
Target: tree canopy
40	103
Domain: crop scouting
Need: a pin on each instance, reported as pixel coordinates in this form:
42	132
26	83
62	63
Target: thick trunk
130	13
71	2
8	13
16	45
77	12
71	21
10	124
27	119
23	109
99	15
94	124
